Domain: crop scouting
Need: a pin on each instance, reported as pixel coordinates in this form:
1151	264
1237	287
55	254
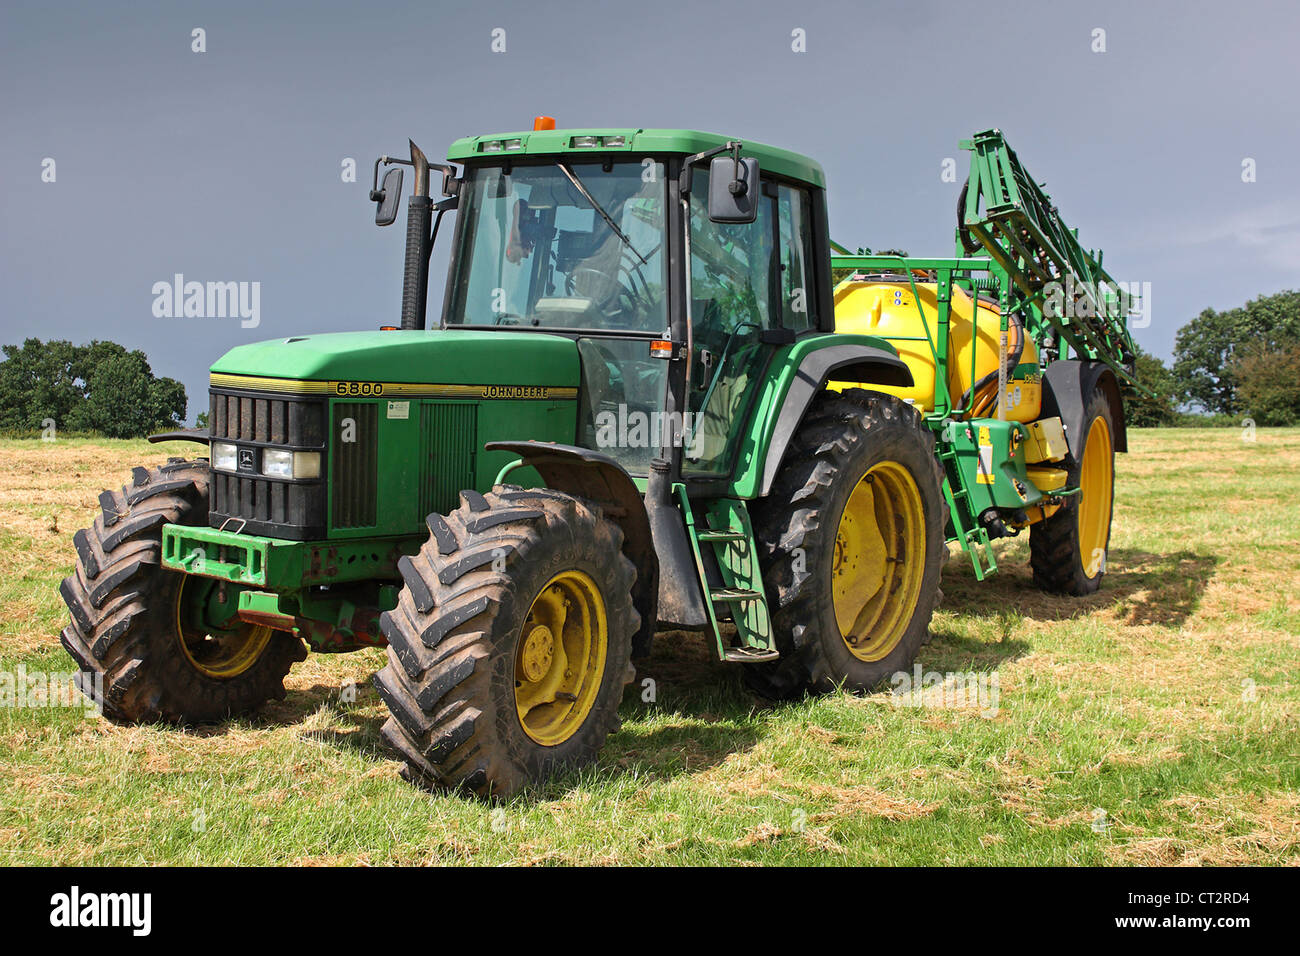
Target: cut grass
1152	723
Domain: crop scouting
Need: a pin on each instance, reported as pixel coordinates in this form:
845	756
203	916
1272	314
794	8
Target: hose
1013	359
963	234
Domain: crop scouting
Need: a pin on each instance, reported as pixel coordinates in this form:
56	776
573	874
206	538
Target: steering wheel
600	287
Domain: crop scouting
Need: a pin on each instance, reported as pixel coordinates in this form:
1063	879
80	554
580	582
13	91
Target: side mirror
733	190
388	197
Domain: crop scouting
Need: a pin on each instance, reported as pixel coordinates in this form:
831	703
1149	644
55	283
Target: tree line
1228	366
101	387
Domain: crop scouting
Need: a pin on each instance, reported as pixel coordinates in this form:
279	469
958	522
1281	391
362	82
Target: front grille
260	505
355	472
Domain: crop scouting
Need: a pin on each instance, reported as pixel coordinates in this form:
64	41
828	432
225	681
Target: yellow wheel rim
1097	485
560	659
221	655
879	561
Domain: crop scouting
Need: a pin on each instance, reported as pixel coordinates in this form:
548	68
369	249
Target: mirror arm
450	184
684	182
737	187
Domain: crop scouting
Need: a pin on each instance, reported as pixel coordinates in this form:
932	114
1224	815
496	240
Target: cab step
723	524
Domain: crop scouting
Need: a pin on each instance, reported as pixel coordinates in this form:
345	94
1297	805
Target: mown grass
1154	722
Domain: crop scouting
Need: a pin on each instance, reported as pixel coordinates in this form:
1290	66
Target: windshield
574	246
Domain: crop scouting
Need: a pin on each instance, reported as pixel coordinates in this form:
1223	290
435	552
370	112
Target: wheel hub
216	644
560	661
878	561
538	653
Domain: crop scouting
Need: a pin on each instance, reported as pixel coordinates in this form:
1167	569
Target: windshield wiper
573	178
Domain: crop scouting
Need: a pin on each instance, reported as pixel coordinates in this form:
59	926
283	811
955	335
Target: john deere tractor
644	406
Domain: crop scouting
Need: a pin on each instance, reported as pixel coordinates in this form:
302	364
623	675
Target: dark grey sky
225	165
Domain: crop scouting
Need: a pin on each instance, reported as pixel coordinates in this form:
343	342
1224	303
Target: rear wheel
157	644
509	647
853	535
1068	550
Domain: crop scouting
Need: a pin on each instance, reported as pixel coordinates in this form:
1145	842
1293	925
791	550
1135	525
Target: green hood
452	356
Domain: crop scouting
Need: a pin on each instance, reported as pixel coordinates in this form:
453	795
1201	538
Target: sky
227	164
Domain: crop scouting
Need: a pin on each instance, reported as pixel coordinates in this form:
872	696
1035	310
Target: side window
730	268
795	242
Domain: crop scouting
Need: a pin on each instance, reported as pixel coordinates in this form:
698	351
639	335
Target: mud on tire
455	638
123	634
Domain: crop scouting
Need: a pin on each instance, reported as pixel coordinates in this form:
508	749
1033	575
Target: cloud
1270	234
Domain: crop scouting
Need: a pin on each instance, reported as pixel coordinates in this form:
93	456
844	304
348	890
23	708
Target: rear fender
864	364
1067	386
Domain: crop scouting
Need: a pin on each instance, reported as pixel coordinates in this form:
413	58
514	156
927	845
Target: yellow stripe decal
296	386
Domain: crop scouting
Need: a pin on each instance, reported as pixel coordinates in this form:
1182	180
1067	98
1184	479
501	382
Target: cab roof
684	141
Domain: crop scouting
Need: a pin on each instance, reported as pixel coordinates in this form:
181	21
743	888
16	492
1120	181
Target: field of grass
1152	723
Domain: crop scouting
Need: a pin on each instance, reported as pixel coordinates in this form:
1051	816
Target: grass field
1153	723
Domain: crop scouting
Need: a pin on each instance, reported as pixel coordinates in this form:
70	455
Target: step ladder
726	529
971	535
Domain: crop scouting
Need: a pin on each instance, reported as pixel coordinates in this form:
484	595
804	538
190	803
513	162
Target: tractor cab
586	234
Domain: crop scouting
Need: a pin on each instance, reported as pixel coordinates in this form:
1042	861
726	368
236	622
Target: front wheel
154	644
853	537
509	646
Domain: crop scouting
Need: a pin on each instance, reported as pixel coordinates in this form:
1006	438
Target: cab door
751	290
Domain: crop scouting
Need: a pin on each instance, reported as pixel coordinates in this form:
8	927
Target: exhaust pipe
415	278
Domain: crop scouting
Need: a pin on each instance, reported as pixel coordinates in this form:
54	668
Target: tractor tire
1067	551
481	681
136	659
860	493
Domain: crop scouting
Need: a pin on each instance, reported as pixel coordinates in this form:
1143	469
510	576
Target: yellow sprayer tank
887	309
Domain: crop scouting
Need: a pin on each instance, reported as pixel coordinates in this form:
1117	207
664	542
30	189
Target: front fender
587	474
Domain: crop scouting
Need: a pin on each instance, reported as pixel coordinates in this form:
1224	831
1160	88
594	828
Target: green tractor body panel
403	415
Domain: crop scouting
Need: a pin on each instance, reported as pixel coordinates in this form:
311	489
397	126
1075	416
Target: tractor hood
443	357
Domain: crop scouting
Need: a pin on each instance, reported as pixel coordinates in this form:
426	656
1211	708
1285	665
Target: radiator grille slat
355	473
448	445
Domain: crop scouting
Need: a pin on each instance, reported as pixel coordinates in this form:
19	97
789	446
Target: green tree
1269	385
1206	349
99	387
1145	411
37	381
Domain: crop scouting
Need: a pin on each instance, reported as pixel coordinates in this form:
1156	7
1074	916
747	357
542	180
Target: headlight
282	463
224	456
277	463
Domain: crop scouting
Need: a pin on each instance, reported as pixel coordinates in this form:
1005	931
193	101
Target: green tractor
635	413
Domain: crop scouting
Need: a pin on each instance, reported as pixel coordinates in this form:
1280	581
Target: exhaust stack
415	278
